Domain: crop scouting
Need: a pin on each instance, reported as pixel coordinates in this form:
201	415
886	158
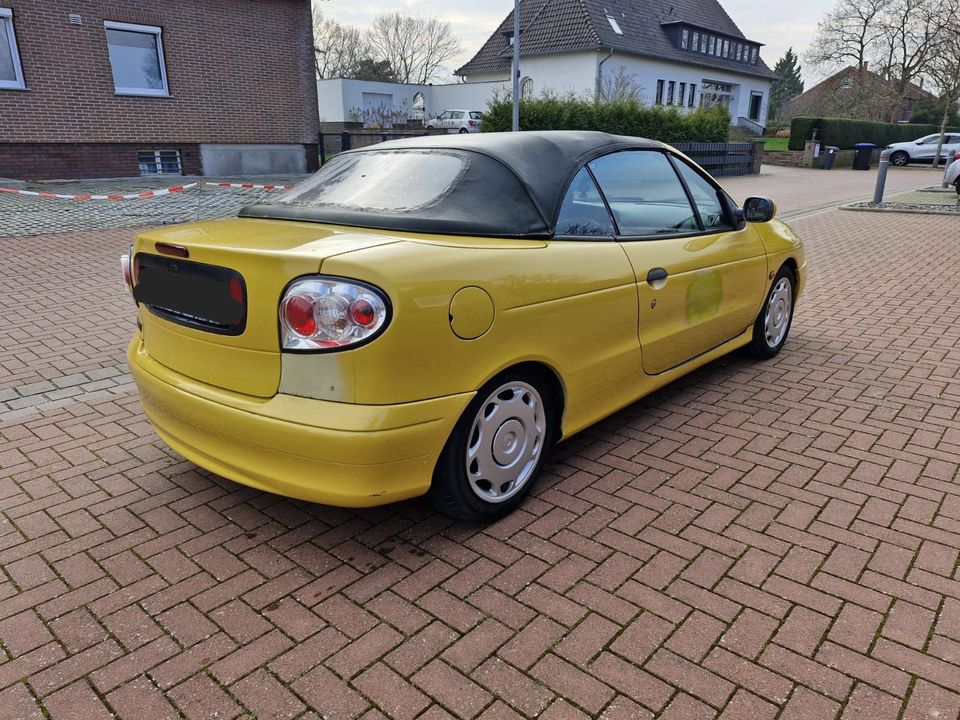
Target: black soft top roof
513	188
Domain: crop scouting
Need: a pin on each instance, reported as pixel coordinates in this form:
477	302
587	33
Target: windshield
391	181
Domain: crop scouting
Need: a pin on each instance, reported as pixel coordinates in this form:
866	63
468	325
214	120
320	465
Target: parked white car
461	121
924	149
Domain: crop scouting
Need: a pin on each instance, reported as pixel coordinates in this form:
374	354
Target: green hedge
846	133
623	117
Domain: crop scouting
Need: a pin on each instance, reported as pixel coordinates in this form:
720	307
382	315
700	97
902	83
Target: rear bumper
315	450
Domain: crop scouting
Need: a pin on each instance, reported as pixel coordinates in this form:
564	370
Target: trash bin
861	158
828	157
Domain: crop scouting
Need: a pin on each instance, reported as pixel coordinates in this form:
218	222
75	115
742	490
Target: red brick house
93	88
858	93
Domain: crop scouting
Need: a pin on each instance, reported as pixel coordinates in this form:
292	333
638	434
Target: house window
846	83
739	52
671	86
716	94
692	94
681	92
695	44
615	25
526	88
753	56
724	52
685	39
712	46
659	99
160	162
136	56
11	73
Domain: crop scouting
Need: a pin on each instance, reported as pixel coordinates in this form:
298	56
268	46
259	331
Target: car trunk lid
209	294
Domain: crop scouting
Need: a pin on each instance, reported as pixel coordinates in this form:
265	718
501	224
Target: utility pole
516	65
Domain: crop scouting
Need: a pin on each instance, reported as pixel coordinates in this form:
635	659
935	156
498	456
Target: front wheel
773	323
899	158
496	450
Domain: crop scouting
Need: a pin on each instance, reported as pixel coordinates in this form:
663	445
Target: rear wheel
773	323
496	449
463	131
900	158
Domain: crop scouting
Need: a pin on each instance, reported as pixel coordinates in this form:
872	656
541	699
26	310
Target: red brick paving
772	540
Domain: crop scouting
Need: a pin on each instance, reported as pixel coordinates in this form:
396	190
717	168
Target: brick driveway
755	541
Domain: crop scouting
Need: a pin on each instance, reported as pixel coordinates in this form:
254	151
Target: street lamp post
516	65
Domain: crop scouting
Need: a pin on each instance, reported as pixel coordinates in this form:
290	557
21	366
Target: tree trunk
943	131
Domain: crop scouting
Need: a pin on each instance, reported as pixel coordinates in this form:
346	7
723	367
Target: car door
700	279
926	147
456	120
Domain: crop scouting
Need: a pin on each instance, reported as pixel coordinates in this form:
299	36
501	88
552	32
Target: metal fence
718	159
723	159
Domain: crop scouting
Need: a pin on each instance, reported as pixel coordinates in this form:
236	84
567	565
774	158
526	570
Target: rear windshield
393	181
476	115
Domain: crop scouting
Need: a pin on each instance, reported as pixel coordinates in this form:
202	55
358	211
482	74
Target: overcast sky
778	25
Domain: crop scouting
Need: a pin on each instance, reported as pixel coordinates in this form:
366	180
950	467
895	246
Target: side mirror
759	210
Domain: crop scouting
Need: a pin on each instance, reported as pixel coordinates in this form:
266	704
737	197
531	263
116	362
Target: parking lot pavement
758	540
800	191
24	215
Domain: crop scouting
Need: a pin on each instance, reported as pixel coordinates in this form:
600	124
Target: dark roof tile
562	25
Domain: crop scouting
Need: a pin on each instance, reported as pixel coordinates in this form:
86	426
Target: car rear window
394	181
476	115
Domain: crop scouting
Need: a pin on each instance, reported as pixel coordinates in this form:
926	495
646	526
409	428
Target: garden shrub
620	117
845	133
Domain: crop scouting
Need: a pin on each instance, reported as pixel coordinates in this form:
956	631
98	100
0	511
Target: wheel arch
551	380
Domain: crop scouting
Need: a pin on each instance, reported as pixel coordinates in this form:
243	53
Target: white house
385	104
687	53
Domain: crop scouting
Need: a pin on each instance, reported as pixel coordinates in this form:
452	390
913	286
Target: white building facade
699	59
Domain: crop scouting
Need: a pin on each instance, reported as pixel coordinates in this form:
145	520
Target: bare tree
416	47
621	85
847	35
339	50
912	32
944	70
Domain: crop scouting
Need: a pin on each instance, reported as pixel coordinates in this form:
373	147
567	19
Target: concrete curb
905	211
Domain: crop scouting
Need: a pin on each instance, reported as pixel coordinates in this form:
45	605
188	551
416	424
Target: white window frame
147	30
17	83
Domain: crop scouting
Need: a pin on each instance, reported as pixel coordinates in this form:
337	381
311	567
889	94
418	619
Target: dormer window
614	24
692	39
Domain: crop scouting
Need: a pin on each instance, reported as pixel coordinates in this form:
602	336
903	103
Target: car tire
900	158
497	449
776	316
463	131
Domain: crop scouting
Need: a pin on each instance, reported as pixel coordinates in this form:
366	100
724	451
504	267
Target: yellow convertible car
431	315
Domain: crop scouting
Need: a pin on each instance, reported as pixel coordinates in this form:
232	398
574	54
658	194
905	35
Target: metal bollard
881	177
950	158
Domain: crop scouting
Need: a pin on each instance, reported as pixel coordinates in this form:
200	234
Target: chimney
865	64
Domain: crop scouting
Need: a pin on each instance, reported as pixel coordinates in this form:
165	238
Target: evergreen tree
788	84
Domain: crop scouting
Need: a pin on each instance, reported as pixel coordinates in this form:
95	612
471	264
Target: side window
457	115
644	192
583	212
705	197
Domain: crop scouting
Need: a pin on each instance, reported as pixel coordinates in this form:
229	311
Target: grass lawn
775	143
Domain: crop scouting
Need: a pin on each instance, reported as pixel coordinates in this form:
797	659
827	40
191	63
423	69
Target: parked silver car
457	121
924	149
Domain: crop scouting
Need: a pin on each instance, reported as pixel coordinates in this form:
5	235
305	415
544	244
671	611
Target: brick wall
238	71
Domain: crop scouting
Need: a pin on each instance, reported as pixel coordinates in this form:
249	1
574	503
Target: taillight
473	123
126	267
325	313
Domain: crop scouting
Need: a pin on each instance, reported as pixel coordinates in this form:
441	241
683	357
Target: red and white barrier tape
146	194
